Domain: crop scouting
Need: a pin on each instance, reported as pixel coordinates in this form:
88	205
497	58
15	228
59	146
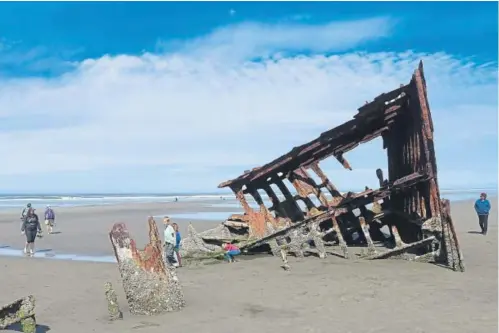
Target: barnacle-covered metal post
404	202
21	311
113	307
150	286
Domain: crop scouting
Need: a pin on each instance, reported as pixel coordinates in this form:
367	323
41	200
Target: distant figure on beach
230	251
176	199
25	211
49	219
178	238
31	228
169	235
482	208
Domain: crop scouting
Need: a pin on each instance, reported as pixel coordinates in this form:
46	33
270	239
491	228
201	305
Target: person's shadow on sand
475	232
39	328
43	250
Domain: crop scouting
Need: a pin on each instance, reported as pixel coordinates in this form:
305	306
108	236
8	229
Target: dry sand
331	295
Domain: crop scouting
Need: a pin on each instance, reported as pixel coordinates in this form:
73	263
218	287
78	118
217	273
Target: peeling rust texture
149	259
150	286
402	118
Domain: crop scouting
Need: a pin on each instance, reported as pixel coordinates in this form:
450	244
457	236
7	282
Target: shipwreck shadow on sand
39	328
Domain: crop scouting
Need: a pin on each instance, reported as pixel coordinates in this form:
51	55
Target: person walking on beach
178	238
169	235
25	211
31	228
482	208
49	219
230	251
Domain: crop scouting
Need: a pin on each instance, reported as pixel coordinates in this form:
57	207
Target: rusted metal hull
410	193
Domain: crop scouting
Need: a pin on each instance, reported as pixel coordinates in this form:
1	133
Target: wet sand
331	295
85	229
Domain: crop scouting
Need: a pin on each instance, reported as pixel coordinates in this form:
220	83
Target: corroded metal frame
410	193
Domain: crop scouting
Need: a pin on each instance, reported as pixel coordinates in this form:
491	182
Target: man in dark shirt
482	208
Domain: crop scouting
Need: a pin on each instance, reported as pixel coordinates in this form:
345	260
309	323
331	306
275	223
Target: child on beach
178	238
230	251
31	228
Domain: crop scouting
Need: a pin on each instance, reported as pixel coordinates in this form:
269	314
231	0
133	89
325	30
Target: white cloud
248	40
176	109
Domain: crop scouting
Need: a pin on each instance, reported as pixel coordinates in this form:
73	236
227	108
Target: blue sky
177	97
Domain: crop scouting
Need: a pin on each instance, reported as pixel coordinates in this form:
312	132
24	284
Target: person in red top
230	251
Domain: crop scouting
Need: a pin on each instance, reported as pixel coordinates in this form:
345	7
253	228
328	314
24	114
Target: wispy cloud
15	57
252	39
177	110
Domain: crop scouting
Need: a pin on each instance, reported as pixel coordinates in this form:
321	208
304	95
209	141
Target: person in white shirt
170	242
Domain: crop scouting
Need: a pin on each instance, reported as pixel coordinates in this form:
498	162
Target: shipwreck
310	216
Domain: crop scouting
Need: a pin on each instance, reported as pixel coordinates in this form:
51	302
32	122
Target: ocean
9	201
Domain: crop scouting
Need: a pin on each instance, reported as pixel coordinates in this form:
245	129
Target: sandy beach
85	229
330	295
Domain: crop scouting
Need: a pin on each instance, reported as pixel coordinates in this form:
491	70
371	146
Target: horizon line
185	193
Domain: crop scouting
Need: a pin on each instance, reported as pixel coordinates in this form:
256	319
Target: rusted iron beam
151	287
403	249
341	240
325	180
365	230
368	196
355	130
305	185
256	220
454	256
343	161
314	219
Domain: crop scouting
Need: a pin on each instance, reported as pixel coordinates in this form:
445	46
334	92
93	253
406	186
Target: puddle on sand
44	254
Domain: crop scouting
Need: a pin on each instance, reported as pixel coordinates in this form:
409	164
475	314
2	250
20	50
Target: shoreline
209	204
10	203
84	231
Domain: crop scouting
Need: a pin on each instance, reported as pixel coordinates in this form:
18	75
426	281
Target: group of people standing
172	239
31	228
172	243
